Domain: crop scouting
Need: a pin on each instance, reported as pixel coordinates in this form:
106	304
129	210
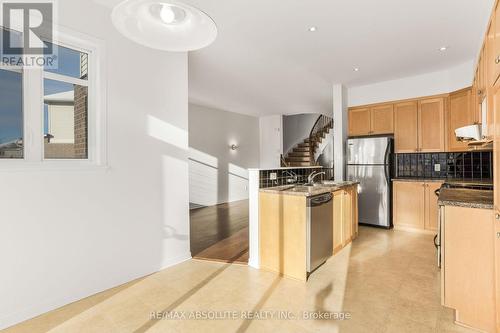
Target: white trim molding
33	105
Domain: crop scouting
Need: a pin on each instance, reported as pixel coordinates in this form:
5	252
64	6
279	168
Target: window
65	109
54	115
11	114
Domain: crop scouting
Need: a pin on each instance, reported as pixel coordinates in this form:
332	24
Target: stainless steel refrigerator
369	162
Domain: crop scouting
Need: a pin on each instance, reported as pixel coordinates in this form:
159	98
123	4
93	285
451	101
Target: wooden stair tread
300	154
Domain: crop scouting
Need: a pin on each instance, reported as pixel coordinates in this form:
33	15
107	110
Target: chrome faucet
292	177
314	174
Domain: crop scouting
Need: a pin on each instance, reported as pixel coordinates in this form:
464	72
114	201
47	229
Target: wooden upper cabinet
481	81
409	205
405	127
490	55
460	114
431	134
371	120
382	119
359	122
496	46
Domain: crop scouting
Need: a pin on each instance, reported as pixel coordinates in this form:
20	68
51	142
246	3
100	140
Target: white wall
441	82
68	234
296	128
218	174
271	141
339	130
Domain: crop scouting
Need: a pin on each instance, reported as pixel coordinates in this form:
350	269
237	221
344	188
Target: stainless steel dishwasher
319	230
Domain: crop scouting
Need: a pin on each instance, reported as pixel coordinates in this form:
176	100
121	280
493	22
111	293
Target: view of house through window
66	107
11	114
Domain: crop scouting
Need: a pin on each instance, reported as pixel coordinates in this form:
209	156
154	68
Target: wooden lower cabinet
468	270
282	234
355	214
338	217
345	217
347	221
497	264
431	206
408	200
415	205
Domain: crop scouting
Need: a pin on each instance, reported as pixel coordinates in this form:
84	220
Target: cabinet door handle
497	60
497	216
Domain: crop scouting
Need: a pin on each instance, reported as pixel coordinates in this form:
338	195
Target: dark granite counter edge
465	204
316	191
482	199
417	180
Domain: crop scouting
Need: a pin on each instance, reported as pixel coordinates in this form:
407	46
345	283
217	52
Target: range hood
469	133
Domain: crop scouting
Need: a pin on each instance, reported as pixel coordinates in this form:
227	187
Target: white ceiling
265	61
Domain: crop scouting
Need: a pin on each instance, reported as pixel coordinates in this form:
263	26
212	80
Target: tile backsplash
465	165
283	174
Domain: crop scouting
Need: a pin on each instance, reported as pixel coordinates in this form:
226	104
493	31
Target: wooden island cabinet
345	217
468	266
283	228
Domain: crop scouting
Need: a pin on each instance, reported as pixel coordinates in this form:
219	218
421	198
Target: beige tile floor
386	280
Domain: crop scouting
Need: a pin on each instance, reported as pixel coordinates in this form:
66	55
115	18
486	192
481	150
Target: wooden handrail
322	123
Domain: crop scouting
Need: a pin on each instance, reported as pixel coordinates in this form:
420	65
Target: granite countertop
446	180
426	180
308	191
466	198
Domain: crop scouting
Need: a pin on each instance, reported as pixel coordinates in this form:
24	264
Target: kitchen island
467	236
285	225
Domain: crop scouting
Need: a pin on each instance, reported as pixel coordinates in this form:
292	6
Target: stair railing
284	164
322	124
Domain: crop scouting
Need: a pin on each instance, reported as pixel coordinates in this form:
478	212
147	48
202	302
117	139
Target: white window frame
33	119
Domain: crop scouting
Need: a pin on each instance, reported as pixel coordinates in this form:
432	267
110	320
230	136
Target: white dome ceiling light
164	25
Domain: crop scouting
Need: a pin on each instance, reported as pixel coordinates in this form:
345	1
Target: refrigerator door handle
387	162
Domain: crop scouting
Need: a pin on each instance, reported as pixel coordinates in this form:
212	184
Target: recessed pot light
313	29
356	69
443	48
168	25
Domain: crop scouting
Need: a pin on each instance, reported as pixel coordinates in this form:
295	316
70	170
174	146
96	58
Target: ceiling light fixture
168	25
443	48
313	29
171	14
356	69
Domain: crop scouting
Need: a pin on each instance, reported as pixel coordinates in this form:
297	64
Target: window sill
49	166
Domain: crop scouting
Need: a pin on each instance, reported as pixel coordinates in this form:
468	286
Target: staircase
303	154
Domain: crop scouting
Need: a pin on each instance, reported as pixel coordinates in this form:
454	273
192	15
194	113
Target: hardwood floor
220	233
